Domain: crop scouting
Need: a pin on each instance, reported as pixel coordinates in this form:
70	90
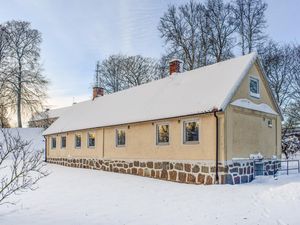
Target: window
53	142
91	140
162	134
77	141
270	124
63	142
120	137
190	132
254	87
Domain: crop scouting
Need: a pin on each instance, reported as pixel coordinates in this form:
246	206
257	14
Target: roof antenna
73	101
97	82
97	88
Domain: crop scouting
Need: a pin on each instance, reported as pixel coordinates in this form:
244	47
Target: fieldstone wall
269	167
177	171
240	172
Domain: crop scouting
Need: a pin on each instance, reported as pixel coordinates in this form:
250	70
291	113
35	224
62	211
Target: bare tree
296	72
119	72
199	34
293	114
251	23
205	46
279	63
4	55
26	83
180	28
4	42
21	166
110	72
4	121
163	66
138	70
221	29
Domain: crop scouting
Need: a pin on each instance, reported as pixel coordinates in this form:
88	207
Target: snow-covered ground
34	135
71	196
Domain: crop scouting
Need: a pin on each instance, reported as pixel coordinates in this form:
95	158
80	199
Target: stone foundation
191	172
269	167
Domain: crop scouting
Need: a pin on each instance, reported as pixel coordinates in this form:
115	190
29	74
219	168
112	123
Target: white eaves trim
246	103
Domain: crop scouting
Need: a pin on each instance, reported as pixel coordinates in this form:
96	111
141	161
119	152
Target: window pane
77	140
191	131
91	140
53	142
254	86
121	137
162	134
63	142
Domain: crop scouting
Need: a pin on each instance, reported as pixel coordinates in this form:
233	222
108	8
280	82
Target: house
46	118
199	126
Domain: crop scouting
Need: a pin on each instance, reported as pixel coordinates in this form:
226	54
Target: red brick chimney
175	66
97	91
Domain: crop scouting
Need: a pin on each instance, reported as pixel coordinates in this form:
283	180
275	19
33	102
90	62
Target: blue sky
78	33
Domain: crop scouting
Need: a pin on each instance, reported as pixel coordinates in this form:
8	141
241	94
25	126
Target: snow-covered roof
192	92
50	114
246	103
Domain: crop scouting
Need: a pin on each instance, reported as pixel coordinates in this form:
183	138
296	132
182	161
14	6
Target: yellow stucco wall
141	141
71	151
247	131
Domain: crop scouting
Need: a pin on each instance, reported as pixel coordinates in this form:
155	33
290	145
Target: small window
120	137
91	140
254	87
53	142
77	141
162	134
63	142
270	124
191	132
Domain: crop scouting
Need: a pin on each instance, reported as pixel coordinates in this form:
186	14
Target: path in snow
72	196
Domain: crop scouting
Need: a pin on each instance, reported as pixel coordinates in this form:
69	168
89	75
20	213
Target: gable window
77	141
63	141
270	124
162	134
53	142
254	87
191	132
120	137
91	140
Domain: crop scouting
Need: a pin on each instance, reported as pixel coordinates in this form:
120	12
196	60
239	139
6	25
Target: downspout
217	146
45	149
103	142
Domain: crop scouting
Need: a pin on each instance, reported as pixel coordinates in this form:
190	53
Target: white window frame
184	141
116	137
76	134
52	143
252	94
270	123
61	137
156	134
88	139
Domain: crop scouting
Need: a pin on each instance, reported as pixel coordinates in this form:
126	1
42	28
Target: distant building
46	118
199	126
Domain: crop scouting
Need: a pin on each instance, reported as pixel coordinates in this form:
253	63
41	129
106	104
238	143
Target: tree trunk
19	94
